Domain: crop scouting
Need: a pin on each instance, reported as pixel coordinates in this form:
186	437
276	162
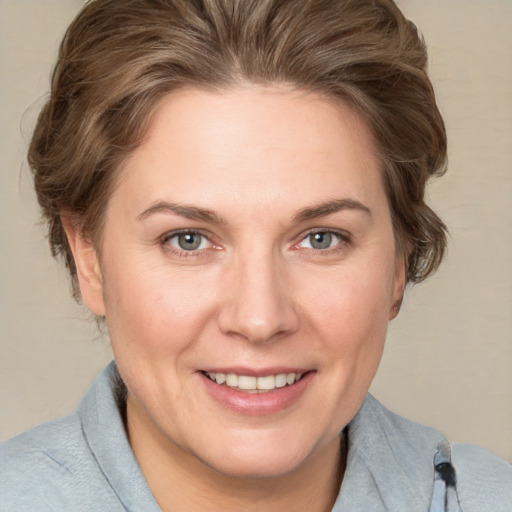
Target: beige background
448	361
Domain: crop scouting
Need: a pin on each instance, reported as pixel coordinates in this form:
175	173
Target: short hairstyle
119	59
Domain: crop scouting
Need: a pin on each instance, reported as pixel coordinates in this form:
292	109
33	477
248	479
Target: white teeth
251	383
246	382
268	382
281	380
232	380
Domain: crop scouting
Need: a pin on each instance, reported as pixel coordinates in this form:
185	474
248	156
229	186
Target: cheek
354	334
354	304
350	320
154	324
153	310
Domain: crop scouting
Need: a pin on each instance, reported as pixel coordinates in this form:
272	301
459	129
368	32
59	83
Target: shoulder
413	466
484	480
51	468
407	438
49	448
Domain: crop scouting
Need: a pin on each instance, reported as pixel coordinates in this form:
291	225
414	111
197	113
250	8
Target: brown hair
118	59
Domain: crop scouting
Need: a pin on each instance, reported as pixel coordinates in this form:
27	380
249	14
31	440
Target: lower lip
258	404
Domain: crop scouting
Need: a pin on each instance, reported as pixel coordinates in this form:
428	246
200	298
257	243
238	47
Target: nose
258	301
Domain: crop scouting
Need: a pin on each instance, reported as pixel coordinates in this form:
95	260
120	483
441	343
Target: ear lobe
400	283
87	265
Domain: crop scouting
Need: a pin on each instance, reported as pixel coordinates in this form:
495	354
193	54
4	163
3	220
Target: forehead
252	143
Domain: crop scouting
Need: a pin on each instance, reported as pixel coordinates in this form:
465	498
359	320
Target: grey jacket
84	463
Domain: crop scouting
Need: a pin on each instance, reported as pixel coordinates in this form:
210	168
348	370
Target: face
248	274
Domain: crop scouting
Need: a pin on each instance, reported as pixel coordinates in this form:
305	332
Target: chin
260	457
257	467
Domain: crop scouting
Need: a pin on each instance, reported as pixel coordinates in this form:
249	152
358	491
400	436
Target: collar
389	464
104	431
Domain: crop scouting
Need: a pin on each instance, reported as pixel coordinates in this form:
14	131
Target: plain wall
448	359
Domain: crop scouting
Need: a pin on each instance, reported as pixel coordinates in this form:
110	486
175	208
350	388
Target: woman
237	190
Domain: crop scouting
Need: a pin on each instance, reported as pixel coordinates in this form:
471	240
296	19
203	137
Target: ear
399	284
87	265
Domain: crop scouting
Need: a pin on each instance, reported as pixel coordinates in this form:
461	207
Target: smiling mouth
252	384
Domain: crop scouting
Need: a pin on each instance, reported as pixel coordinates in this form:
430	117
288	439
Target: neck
181	481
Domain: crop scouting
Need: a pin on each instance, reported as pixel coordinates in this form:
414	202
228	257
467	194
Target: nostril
257	307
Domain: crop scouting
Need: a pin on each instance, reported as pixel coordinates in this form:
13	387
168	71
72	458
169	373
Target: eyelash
183	253
345	240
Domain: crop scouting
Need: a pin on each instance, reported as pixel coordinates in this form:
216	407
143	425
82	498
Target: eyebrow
183	210
336	205
204	214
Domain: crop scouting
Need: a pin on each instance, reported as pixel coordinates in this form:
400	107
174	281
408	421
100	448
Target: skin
256	293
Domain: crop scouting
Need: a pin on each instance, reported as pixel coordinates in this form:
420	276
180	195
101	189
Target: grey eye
320	240
188	241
